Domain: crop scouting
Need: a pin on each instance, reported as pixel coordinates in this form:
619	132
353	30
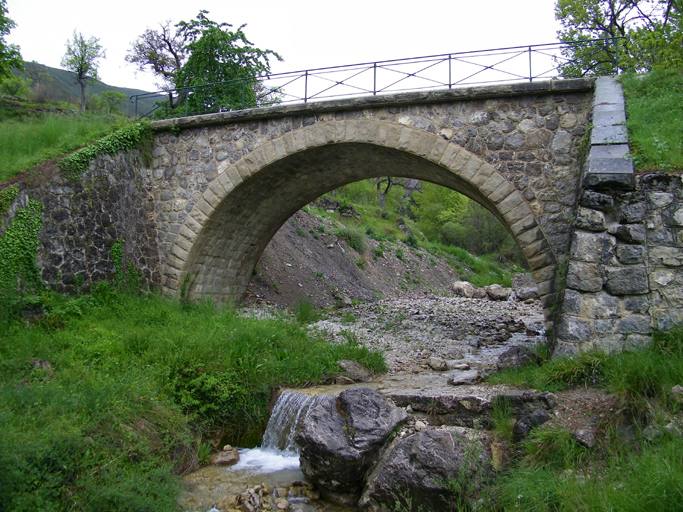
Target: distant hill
61	85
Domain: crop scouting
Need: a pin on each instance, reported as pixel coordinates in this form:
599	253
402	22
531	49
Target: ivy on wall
18	249
132	136
7	197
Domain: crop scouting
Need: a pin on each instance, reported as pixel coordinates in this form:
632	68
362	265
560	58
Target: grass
29	141
552	471
105	398
654	110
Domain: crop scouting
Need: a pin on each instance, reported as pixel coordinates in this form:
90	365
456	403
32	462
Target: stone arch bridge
220	186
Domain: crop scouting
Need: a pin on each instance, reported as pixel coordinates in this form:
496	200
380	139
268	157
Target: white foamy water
264	460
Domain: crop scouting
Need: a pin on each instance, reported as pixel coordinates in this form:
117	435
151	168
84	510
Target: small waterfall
289	412
278	451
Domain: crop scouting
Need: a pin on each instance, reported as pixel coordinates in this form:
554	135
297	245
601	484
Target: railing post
450	72
530	75
616	52
306	87
374	79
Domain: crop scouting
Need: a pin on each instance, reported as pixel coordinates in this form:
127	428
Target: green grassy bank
106	398
636	463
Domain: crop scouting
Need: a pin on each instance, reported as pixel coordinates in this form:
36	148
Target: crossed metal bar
299	86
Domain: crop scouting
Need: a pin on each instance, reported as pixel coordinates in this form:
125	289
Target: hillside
60	85
329	254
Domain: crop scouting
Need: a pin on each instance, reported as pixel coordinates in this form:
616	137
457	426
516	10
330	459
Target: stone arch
228	229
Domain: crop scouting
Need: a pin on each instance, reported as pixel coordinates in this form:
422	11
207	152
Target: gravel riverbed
413	332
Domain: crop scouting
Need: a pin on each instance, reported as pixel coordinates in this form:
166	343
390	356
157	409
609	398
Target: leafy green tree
15	86
112	101
219	55
202	52
639	34
10	57
81	58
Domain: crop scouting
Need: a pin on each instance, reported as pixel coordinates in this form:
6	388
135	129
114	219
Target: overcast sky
306	33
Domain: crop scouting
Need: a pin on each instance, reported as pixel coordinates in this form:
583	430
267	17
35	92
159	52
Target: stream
467	334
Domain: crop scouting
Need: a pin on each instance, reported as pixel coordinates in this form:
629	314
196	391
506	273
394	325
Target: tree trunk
83	85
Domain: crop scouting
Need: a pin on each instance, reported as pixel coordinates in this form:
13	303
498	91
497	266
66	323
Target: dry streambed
438	333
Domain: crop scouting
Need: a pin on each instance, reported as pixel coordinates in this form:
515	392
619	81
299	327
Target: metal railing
446	71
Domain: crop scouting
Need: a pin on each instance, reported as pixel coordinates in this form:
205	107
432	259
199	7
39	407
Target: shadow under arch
229	229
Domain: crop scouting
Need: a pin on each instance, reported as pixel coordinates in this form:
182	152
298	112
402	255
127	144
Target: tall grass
33	140
104	398
554	472
654	108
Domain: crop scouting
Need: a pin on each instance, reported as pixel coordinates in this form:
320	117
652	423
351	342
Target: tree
10	56
203	52
161	51
15	86
639	34
81	58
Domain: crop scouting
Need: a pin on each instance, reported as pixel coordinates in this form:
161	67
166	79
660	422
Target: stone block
572	304
629	233
472	167
585	277
666	256
590	220
637	341
482	175
596	200
601	305
632	213
631	280
658	237
592	247
631	254
661	278
637	304
573	329
634	324
503	191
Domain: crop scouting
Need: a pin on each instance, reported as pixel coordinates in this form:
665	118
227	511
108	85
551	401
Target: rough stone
418	468
227	457
340	440
517	357
584	277
631	280
498	292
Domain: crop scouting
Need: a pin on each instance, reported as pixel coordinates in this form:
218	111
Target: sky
307	34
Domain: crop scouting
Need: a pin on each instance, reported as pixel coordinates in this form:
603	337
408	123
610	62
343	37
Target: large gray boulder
430	470
341	438
498	292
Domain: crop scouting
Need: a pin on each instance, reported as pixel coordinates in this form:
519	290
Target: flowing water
274	463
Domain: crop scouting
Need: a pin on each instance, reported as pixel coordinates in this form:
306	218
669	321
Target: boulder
479	293
355	371
465	378
498	292
526	293
340	439
463	289
523	426
227	457
517	357
437	364
418	472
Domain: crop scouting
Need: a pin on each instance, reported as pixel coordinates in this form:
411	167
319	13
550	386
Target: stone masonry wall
625	277
530	133
82	220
